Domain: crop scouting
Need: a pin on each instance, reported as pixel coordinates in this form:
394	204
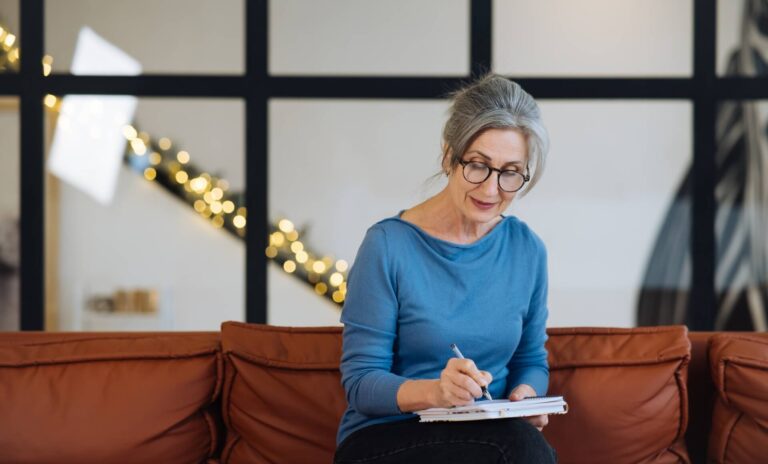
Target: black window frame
704	89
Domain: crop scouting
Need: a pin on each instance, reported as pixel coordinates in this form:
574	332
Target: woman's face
505	149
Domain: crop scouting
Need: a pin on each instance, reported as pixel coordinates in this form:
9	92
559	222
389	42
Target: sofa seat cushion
626	389
739	366
108	398
282	399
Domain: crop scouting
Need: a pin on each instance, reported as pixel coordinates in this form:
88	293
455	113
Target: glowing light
50	100
13	55
223	184
338	297
155	158
342	265
47	62
199	206
343	287
321	288
164	143
9	40
150	173
292	235
336	279
285	225
302	256
144	137
228	206
208	197
289	266
217	222
271	252
183	157
138	147
129	132
242	211
199	184
297	247
319	267
216	207
277	239
182	177
238	221
217	193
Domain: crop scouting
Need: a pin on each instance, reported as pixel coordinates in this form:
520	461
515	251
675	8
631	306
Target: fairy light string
160	161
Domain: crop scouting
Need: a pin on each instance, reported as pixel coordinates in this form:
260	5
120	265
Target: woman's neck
439	217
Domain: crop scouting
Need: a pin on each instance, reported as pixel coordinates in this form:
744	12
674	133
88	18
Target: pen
461	356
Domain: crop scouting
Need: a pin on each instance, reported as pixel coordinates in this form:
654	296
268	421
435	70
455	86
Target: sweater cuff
385	391
537	379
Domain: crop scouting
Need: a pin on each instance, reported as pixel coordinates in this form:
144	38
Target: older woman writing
453	269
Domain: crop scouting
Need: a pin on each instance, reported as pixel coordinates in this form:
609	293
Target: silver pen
461	356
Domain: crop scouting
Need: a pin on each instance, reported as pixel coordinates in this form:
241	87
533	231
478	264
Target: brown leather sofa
261	394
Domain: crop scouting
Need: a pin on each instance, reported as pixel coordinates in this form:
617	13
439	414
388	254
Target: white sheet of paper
88	144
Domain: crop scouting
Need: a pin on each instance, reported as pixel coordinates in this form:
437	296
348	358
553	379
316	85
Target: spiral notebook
496	409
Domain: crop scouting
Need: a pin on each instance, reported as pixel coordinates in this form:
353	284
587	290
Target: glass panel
9	214
613	208
742	38
741	277
9	36
337	167
145	214
169	36
593	37
369	37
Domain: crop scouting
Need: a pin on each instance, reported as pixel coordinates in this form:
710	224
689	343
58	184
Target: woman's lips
482	205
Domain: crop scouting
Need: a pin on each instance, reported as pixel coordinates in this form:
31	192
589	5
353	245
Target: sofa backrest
157	397
109	398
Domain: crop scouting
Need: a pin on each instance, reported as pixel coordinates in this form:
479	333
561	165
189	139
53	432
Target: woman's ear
446	162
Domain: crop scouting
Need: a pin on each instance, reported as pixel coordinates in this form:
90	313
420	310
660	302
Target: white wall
593	37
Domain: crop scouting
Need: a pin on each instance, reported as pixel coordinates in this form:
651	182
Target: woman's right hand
460	383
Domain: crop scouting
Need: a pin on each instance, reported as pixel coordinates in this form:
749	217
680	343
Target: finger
458	396
467	384
468	367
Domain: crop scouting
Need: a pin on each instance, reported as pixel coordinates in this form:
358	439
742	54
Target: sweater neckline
431	237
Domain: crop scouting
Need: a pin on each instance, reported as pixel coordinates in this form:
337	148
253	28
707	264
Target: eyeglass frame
526	177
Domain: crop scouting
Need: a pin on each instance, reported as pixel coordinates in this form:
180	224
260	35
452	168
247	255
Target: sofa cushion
626	389
282	399
739	364
108	398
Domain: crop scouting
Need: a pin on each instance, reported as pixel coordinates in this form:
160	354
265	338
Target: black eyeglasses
510	181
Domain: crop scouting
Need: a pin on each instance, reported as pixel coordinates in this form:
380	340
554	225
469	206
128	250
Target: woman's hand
460	383
526	391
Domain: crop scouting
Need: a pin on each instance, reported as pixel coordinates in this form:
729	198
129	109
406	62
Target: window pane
741	277
167	36
369	37
9	214
593	37
147	242
742	41
9	36
609	211
337	167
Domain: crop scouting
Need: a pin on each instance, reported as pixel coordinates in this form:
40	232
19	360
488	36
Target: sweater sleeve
370	327
529	363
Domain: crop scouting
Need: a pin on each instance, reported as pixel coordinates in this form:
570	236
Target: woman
453	269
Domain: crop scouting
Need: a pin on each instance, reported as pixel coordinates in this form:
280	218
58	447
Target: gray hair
495	102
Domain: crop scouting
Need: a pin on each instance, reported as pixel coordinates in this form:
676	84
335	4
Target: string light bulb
238	221
164	143
285	225
183	157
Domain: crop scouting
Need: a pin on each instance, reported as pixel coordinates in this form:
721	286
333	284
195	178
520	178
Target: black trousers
502	441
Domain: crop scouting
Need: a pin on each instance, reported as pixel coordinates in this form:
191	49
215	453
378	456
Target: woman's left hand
526	391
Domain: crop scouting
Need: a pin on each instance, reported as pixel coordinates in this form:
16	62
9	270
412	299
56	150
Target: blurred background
232	170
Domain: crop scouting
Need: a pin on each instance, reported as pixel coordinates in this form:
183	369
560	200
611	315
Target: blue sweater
410	295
